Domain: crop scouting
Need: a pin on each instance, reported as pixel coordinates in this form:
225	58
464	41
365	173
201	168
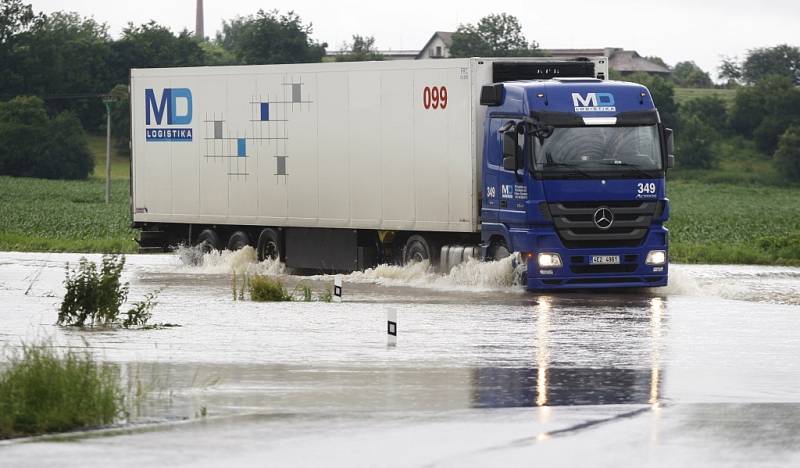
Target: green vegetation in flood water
96	296
65	216
42	391
266	289
720	223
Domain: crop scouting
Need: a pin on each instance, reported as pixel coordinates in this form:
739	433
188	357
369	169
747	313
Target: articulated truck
334	167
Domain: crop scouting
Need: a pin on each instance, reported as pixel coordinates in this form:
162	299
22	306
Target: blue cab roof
585	96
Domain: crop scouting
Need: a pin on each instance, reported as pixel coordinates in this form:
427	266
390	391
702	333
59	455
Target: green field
683	95
64	216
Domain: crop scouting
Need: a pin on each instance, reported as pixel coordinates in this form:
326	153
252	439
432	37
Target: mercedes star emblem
603	218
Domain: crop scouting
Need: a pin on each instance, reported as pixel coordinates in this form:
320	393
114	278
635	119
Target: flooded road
705	371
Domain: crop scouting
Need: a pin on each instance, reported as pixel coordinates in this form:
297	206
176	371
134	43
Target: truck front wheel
498	251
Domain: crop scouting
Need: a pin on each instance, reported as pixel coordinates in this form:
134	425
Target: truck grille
574	222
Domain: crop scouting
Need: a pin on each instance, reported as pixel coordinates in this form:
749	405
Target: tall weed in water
96	296
266	289
43	391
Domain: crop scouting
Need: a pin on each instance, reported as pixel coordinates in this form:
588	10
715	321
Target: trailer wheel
238	240
417	249
269	245
208	240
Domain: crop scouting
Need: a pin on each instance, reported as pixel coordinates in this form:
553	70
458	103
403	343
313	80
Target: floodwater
703	372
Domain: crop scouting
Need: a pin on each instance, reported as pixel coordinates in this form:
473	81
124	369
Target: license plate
604	260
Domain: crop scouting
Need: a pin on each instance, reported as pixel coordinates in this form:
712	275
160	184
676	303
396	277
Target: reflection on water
514	387
544	385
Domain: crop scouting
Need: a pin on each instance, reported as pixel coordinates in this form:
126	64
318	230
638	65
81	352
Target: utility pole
199	31
108	100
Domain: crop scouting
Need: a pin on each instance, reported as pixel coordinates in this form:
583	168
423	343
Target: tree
15	19
781	60
151	45
65	56
689	75
764	111
695	144
215	54
657	60
709	109
361	49
32	145
663	92
121	118
269	37
730	70
787	157
493	36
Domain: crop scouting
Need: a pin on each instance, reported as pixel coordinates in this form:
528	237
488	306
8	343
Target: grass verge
43	391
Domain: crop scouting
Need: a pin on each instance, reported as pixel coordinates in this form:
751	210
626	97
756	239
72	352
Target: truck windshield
599	149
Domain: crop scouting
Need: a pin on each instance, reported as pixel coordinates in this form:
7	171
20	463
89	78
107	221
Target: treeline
759	120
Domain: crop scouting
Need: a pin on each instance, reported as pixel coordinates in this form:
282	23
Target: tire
498	250
269	245
209	240
417	249
238	240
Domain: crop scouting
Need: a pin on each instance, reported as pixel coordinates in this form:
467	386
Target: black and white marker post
337	288
391	326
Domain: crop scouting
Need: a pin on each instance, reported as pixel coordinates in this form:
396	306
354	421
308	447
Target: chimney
198	27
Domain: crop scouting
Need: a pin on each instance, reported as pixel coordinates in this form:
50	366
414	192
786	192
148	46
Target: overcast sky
699	30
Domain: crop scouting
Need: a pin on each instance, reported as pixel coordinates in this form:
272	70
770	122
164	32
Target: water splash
472	274
243	260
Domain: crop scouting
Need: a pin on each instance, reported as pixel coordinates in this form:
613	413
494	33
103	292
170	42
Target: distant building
438	46
620	60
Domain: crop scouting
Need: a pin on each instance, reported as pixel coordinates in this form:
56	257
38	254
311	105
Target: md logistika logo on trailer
166	117
593	102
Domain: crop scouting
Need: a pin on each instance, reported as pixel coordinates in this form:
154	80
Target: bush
787	158
710	109
695	145
92	295
42	391
266	289
96	296
32	145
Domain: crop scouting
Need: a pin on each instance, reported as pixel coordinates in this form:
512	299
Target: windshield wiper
636	168
573	167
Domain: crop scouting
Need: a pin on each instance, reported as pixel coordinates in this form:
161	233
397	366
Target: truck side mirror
510	150
669	136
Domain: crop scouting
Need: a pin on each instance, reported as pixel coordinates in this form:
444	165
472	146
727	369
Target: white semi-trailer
329	166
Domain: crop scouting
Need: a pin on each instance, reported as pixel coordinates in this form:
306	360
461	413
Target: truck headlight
549	260
656	257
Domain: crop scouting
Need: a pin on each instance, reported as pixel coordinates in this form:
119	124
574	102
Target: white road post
337	288
391	326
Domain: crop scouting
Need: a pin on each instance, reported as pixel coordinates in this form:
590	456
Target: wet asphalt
705	372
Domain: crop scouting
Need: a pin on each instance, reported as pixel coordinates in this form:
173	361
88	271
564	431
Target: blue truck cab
574	180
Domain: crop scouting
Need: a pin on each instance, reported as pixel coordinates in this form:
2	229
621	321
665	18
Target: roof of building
621	60
445	36
629	61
